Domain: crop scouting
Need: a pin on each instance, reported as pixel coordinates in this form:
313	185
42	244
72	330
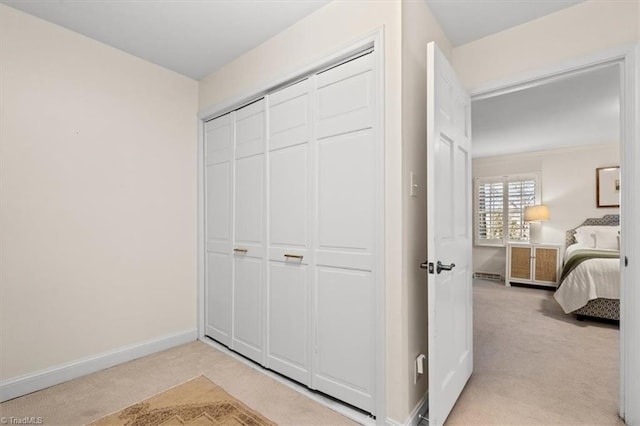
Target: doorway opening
542	144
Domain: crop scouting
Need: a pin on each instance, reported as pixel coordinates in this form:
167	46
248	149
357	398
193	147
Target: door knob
440	267
427	265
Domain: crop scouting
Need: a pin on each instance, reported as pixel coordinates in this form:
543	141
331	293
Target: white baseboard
22	385
421	409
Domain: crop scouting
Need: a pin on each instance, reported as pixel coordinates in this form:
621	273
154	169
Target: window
499	212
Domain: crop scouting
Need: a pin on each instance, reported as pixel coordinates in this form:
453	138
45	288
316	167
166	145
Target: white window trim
505	179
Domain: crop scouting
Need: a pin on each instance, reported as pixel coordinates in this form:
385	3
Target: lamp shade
536	213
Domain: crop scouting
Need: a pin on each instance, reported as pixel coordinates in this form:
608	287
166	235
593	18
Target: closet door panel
249	232
288	304
344	292
288	329
345	335
218	200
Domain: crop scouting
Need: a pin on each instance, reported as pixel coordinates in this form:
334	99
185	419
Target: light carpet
535	365
83	400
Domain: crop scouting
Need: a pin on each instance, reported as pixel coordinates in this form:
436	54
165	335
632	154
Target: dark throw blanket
579	256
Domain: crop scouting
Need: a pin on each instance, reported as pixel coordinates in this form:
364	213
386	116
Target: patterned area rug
198	402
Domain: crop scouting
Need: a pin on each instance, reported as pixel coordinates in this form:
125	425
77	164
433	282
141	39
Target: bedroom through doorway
546	169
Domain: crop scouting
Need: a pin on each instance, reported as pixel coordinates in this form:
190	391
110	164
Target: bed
590	279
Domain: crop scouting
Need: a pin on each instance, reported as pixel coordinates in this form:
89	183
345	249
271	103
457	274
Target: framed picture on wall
608	186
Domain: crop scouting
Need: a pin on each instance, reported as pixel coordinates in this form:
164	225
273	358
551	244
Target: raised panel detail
345	98
289	320
289	116
445	178
463	190
249	202
218	139
218	186
345	194
218	295
288	196
250	129
247	307
345	314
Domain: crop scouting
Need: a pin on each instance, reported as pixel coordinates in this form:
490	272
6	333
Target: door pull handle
440	267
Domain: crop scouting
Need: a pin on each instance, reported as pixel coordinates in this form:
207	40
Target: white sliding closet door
291	213
248	248
218	186
290	188
345	287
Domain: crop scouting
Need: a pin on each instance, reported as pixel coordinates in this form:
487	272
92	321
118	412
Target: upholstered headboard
606	220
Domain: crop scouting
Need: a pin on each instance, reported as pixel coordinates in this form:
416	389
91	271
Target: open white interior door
449	236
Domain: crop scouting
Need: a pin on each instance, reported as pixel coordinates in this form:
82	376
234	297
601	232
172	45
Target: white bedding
592	279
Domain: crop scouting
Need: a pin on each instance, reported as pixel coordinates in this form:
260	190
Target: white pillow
585	238
586	235
607	240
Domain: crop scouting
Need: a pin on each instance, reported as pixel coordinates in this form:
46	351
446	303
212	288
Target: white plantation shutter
489	210
499	212
522	193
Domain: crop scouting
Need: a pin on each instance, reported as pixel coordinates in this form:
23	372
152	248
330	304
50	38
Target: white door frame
626	57
374	40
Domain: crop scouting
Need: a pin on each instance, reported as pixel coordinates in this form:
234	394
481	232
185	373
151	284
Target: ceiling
197	37
467	20
193	38
581	109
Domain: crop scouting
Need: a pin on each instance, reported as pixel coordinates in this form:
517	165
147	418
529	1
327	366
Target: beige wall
580	30
98	197
570	196
419	27
318	35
